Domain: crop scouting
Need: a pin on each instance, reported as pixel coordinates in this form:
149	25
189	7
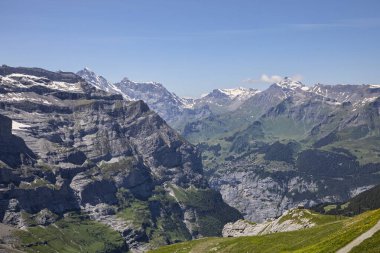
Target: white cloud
270	79
264	78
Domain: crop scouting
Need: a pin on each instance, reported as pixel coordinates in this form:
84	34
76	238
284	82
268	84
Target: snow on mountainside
25	81
354	94
151	92
225	99
177	110
229	94
154	93
288	83
167	104
98	82
240	92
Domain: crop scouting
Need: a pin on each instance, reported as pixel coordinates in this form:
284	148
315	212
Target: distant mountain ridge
312	144
167	104
219	101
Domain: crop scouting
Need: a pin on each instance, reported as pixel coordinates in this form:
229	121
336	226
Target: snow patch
288	83
19	126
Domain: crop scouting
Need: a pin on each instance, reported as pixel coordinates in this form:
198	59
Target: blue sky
193	46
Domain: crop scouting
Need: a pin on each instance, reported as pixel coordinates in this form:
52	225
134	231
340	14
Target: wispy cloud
264	78
365	23
346	23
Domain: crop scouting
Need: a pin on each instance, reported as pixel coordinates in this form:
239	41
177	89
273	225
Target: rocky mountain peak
97	81
142	85
289	83
232	93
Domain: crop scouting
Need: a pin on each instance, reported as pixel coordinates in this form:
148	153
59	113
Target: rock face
260	195
76	148
291	220
309	145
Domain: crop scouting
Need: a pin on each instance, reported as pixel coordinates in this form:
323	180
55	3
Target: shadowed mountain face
73	147
365	201
13	150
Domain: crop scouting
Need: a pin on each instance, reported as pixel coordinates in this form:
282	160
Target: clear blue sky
193	46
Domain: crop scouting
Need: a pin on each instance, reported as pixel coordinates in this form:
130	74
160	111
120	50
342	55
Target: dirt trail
360	239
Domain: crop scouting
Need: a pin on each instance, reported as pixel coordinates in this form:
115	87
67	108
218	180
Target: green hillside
327	237
371	245
74	233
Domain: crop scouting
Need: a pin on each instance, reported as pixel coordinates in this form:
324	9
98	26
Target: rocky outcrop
291	220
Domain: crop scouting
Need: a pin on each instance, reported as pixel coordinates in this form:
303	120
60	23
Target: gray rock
291	220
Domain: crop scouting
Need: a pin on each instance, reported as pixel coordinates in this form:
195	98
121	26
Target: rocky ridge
69	147
291	220
168	105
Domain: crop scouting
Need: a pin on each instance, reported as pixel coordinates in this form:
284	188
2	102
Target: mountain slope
328	237
310	144
98	82
295	147
73	148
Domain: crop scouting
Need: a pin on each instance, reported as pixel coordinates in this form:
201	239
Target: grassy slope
371	245
69	235
296	214
328	237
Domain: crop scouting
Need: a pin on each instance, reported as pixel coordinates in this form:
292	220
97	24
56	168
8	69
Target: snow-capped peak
232	93
289	83
240	91
141	85
97	81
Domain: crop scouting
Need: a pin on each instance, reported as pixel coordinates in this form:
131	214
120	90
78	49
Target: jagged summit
151	84
97	81
167	104
289	83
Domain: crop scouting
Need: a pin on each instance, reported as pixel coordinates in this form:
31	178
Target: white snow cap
240	91
289	83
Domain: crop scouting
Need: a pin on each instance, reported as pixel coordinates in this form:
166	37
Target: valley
198	126
272	150
80	155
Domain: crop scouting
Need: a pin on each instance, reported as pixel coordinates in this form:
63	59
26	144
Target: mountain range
288	145
90	165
